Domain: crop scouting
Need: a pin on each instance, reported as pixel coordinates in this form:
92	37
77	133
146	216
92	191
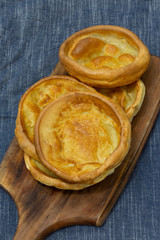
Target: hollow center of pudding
105	51
79	137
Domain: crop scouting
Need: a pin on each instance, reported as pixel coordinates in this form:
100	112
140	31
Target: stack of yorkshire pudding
75	130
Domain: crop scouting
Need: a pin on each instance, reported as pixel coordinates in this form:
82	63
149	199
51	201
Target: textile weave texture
31	32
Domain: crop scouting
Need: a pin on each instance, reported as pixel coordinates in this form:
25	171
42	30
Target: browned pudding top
104	56
78	133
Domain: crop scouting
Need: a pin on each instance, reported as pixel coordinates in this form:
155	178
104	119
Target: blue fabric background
31	32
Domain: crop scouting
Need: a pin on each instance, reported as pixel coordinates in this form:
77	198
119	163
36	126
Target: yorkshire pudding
44	176
129	97
104	56
81	135
37	97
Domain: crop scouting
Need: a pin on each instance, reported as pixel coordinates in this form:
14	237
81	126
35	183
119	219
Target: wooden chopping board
43	209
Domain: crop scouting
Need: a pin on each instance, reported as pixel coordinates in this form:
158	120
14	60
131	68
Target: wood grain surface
43	209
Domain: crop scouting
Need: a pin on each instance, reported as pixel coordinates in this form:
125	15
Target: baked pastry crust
104	56
37	97
81	135
129	97
44	176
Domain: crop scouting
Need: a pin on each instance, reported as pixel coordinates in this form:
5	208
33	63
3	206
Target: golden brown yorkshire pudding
104	56
82	135
129	97
37	97
44	176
